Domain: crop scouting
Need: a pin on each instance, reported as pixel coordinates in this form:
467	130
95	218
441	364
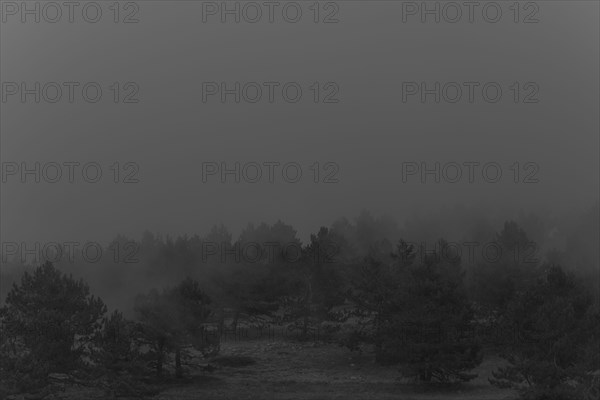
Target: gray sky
369	133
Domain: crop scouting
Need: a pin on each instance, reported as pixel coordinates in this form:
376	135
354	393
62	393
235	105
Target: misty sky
369	133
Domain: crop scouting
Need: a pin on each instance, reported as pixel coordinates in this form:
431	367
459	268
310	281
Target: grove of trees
412	306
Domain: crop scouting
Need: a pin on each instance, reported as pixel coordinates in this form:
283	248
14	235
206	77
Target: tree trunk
305	327
234	324
178	370
222	322
307	307
159	357
425	375
378	336
159	365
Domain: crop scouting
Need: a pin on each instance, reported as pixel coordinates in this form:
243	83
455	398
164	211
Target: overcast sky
368	134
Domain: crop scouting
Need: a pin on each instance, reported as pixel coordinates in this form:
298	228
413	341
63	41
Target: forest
442	305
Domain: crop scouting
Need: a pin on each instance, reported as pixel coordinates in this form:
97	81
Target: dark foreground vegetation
421	314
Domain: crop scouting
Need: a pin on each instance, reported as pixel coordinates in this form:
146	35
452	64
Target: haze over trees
370	286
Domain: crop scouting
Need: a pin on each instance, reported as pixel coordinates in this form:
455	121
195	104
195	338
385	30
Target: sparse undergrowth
293	370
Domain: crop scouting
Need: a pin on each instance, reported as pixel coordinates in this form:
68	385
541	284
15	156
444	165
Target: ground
288	370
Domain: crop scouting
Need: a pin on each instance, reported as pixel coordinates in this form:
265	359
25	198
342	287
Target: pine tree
411	304
48	326
172	320
557	354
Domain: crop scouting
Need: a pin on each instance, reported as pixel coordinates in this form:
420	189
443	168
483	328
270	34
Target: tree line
411	307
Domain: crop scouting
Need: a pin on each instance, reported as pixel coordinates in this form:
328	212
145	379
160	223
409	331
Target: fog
176	149
369	133
372	198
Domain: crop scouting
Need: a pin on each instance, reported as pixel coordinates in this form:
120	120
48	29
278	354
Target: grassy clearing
284	370
288	370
